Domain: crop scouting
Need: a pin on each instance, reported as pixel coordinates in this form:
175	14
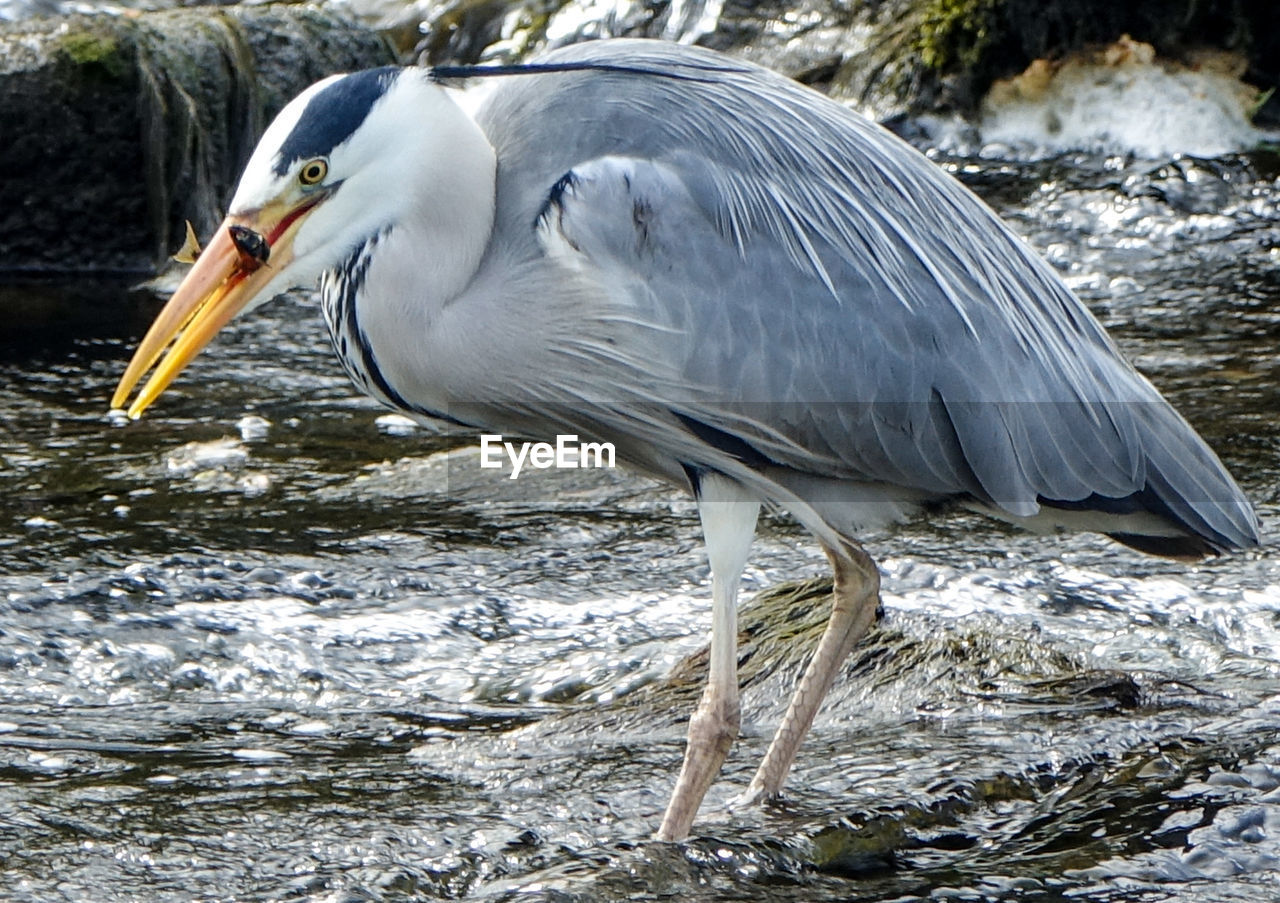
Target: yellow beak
239	261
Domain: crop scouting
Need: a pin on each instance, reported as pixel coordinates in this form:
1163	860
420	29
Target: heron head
348	157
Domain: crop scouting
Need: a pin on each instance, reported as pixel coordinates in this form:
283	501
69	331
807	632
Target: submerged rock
904	663
118	128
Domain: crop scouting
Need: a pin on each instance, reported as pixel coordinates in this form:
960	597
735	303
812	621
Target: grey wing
831	303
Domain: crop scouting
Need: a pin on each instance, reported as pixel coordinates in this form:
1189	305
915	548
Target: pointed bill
215	290
238	263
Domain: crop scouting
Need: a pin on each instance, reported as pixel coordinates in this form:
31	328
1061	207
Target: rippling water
267	644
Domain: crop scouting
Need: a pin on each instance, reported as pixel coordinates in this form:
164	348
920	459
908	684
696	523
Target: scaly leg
855	598
728	515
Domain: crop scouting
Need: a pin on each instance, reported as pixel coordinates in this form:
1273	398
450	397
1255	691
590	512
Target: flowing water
269	644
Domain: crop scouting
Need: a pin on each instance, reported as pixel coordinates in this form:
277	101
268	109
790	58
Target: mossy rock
118	128
891	57
92	52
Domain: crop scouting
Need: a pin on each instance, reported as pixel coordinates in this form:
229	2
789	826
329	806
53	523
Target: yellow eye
313	171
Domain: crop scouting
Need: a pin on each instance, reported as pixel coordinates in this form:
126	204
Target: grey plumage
872	321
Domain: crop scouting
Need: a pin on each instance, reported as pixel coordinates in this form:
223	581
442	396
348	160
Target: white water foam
1124	100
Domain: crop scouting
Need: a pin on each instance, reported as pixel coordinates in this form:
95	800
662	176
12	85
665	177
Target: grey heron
752	291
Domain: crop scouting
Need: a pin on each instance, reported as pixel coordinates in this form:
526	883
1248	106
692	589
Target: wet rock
1125	98
903	663
891	57
117	128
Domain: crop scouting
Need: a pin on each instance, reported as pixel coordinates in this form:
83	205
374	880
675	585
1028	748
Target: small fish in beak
190	250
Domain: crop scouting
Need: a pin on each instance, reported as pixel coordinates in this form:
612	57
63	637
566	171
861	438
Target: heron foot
712	730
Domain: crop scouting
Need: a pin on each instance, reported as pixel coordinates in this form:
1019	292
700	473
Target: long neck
444	228
383	303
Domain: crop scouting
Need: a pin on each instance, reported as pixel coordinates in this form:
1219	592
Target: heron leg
855	598
728	515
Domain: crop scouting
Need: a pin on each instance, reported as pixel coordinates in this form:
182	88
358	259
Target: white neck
422	168
434	184
446	210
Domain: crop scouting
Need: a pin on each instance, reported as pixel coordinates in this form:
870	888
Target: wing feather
813	286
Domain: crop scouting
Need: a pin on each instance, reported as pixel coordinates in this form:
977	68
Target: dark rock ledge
115	129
